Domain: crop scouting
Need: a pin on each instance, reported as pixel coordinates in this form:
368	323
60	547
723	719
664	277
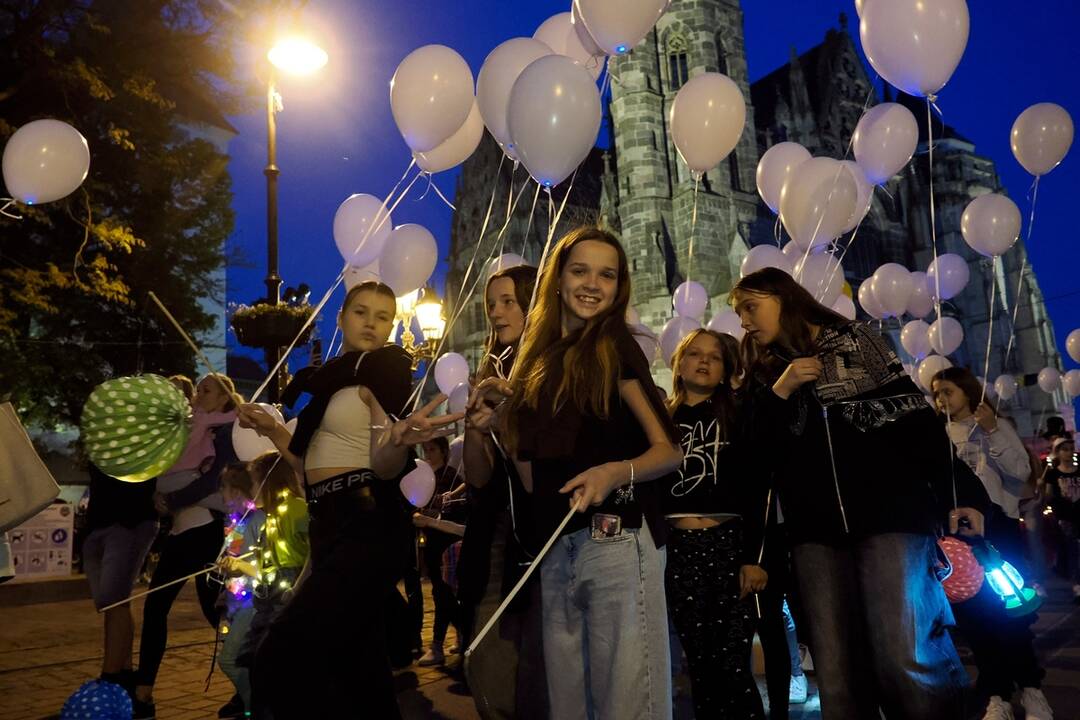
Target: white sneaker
432	657
1035	705
797	691
998	709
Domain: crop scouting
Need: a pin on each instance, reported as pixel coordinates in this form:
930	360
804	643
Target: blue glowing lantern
1006	581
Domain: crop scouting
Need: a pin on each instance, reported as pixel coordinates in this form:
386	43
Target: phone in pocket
606	526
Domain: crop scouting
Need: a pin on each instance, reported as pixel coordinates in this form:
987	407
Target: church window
721	57
678	63
733	169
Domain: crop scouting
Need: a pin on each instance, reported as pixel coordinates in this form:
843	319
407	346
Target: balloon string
171	582
1023	271
330	347
187	338
373	227
532	213
8	202
693	229
776	231
844	252
933	213
989	329
441	196
510	196
415	396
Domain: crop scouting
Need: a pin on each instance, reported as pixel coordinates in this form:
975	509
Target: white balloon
618	25
822	277
431	95
774	168
868	302
690	299
587	40
920	303
1072	344
950	271
646	340
554	117
248	444
559	34
458	398
844	306
915	44
455	457
884	141
991	392
1041	136
707	119
1049	379
457	148
504	262
763	256
500	70
408	259
451	370
45	160
358	244
990	224
356	275
1071	382
674	331
817	201
419	485
726	321
1005	386
946	335
929	367
915	339
864	197
892	285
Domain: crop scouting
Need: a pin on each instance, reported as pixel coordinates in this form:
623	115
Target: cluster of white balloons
45	160
819	272
403	257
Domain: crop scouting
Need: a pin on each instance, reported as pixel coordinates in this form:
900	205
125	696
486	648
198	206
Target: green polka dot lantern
135	428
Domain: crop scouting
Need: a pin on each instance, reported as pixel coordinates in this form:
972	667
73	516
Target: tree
133	76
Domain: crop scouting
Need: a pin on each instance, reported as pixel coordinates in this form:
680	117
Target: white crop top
343	439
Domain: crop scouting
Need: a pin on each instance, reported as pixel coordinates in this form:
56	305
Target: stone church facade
641	189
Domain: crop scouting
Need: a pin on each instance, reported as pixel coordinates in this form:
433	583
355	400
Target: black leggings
181	555
446	605
772	629
325	656
715	627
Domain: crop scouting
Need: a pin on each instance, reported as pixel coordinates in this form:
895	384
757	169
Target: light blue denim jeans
606	628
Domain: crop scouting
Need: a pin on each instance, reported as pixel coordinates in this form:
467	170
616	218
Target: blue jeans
230	648
606	628
878	619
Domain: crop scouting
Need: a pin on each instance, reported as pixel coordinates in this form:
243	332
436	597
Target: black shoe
233	708
142	710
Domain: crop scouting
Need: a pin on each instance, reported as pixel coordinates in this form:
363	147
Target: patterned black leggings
716	628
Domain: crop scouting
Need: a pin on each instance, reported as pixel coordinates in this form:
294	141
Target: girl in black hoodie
832	400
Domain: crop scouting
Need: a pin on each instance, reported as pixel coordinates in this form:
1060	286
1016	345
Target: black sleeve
210	481
387	372
753	500
634	366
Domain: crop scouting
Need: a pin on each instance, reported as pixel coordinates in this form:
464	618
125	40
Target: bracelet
626	494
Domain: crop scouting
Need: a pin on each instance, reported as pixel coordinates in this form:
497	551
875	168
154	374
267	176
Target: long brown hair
963	379
276	478
798	311
524	279
585	361
723	396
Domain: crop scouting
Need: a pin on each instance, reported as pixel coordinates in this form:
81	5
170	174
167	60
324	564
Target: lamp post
293	56
426	307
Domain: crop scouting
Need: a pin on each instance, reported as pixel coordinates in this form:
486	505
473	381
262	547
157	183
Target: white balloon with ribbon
915	339
930	366
458	398
845	307
1071	382
950	273
690	299
248	444
915	44
946	335
457	148
356	275
618	25
674	331
500	70
45	160
1005	386
408	259
868	302
451	370
431	95
1072	344
726	321
775	167
990	224
921	301
864	197
504	262
707	119
1041	136
361	227
892	285
822	277
763	256
418	486
559	34
1049	379
553	117
817	201
884	141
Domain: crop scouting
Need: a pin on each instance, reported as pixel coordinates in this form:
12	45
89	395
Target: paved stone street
48	649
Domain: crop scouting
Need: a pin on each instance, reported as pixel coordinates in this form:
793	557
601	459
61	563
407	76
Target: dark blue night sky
336	135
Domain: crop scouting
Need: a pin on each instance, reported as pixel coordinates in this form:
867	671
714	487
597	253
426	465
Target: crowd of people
801	470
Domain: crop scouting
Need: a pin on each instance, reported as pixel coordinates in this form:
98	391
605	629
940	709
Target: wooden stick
171	582
183	334
520	583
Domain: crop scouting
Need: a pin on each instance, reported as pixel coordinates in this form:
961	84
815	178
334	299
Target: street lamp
425	307
291	55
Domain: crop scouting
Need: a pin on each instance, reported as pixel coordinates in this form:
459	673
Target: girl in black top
590	430
716	532
828	400
506	671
